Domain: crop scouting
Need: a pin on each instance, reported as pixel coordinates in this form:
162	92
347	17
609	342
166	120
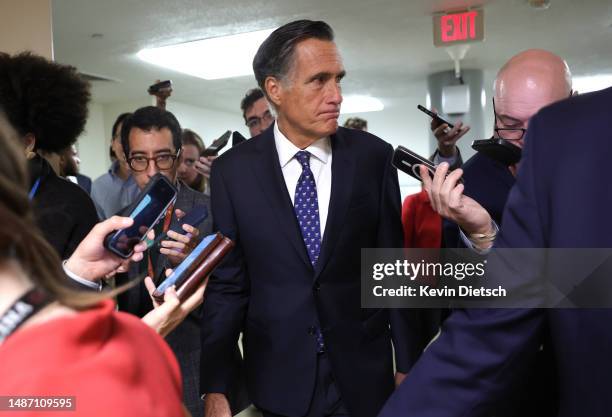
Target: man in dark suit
529	81
561	200
151	139
301	200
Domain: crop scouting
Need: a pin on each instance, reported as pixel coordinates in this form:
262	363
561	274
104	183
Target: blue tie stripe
306	207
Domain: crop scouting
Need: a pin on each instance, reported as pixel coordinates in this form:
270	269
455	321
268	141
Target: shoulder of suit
583	108
365	140
188	193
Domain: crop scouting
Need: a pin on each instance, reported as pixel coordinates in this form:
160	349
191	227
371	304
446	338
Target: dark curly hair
46	99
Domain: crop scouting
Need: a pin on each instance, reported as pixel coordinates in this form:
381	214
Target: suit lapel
267	170
343	167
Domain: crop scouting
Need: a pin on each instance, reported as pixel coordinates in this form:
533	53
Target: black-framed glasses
255	121
507	133
163	162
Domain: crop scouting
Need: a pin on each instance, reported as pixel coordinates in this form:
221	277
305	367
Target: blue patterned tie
306	206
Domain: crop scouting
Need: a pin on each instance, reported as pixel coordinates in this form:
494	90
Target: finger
177	237
454	201
438	180
196	298
140	247
148	282
426	178
172	244
171	297
137	257
172	253
169	272
191	230
449	184
111	224
439	131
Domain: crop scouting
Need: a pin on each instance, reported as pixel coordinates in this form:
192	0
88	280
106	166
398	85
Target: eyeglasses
507	133
162	162
255	121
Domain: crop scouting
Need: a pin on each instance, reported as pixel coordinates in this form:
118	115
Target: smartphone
499	149
237	139
435	116
194	218
196	266
159	86
147	210
217	145
409	162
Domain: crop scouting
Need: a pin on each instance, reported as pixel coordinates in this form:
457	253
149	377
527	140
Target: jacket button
317	286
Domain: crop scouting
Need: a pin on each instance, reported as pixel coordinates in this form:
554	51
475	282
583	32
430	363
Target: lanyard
25	307
165	228
34	188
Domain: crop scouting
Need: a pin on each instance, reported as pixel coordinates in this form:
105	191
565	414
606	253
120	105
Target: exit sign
462	27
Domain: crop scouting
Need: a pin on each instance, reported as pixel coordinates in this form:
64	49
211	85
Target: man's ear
274	90
30	144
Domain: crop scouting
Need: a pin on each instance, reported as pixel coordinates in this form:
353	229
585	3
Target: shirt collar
320	149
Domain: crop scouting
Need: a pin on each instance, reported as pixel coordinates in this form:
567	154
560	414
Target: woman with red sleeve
69	345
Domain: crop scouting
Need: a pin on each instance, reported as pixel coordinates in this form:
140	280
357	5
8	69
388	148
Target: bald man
445	383
529	81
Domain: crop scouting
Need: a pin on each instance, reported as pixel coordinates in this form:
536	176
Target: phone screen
149	209
177	275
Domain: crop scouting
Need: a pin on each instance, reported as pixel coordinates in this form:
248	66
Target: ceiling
386	45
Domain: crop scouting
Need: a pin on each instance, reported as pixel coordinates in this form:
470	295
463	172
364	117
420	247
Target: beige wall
26	25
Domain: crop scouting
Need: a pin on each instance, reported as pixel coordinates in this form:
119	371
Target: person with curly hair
45	106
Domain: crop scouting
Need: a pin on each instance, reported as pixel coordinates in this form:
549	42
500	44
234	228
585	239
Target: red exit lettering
458	27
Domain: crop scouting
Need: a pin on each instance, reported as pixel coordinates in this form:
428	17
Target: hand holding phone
218	144
196	267
150	206
435	116
409	162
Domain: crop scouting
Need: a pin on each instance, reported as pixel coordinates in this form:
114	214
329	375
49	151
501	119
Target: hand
216	405
399	377
447	138
92	261
165	317
204	164
447	199
161	96
182	244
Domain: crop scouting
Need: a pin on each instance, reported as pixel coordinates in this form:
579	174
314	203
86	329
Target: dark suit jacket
562	199
268	288
185	339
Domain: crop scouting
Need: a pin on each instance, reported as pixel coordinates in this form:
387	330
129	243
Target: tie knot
303	158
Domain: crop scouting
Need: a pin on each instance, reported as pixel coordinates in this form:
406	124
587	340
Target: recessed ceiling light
360	104
590	83
211	59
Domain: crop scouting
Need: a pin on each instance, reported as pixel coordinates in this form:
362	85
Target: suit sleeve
481	353
406	324
225	302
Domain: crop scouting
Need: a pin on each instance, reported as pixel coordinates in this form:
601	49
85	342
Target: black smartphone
499	149
159	86
194	218
147	210
217	145
434	116
409	162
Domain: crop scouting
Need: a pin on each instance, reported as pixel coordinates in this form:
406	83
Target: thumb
112	224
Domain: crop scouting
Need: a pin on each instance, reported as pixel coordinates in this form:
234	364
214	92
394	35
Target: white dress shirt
320	165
